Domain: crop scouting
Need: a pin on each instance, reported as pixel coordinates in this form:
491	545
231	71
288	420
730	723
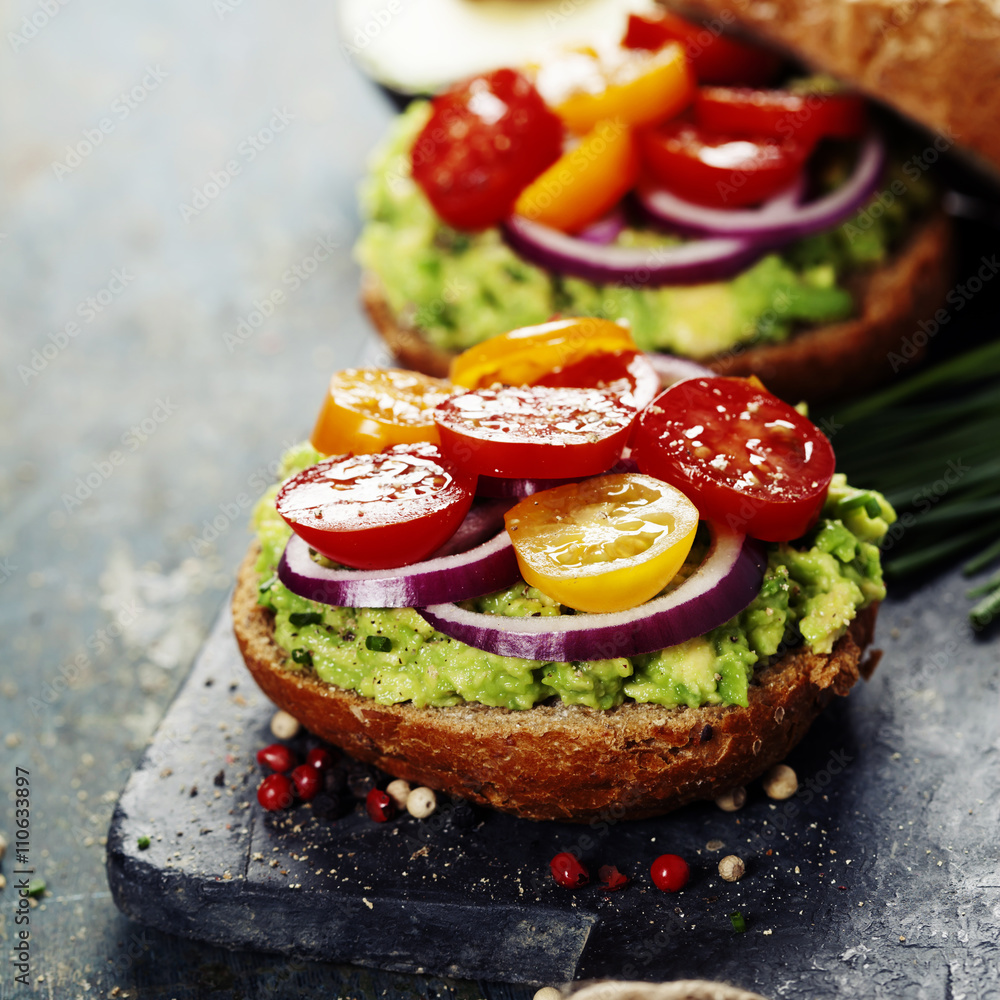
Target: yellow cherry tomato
523	356
368	409
585	182
606	544
633	86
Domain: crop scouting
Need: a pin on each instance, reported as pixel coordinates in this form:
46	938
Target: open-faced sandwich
732	210
550	588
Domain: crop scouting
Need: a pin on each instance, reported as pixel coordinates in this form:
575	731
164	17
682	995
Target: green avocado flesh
460	288
812	591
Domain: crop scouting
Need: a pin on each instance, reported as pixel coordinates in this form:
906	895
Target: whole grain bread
937	61
817	364
559	762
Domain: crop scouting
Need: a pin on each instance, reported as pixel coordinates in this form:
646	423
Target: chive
984	588
931	554
737	920
378	643
268	584
303	657
986	610
142	842
861	499
873	508
300	618
983	560
36	887
960	509
973	364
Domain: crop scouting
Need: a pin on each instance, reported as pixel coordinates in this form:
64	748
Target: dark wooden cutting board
882	869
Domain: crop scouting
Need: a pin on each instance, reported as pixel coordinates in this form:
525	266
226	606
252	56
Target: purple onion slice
723	585
683	264
446	576
782	219
606	229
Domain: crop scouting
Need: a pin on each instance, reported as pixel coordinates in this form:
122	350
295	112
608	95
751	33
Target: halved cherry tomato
780	113
723	171
584	182
368	409
628	374
525	355
378	511
530	431
487	138
743	456
605	544
631	88
716	58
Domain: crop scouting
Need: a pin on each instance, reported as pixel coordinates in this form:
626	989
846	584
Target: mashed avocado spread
461	288
810	593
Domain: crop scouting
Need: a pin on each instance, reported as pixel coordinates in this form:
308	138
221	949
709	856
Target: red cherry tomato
780	113
519	432
670	872
743	456
486	140
379	805
275	792
716	58
630	375
723	171
277	757
378	511
568	871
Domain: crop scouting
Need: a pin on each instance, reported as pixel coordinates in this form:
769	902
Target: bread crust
560	762
937	61
817	364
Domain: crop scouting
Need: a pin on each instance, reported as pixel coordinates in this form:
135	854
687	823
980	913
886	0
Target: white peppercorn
421	802
780	782
398	791
732	800
284	726
731	868
547	993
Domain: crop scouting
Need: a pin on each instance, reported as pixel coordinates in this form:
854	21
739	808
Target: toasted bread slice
557	761
816	364
938	63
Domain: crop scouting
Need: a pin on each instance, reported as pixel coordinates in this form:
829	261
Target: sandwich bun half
557	761
817	364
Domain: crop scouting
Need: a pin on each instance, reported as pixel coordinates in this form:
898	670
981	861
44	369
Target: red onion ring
684	264
605	229
781	219
725	583
671	210
481	523
488	566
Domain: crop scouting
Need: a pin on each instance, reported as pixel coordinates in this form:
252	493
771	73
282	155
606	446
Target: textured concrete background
133	442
